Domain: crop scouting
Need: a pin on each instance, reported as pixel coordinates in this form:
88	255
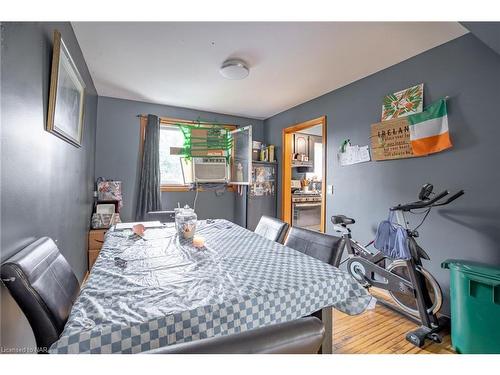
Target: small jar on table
185	222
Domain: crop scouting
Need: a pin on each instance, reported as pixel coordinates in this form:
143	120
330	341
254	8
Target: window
171	171
175	171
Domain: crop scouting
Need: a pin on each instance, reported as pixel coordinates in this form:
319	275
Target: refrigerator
261	196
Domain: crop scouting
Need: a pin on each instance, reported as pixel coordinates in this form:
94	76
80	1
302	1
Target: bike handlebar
429	203
451	199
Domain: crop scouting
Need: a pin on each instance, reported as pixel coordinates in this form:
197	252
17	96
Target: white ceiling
290	63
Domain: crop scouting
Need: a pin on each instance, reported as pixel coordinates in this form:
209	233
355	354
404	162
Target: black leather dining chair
324	247
272	228
44	286
301	336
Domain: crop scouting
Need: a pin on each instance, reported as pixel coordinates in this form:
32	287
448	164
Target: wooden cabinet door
96	238
95	241
93	254
301	144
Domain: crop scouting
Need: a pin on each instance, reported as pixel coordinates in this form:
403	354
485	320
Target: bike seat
342	220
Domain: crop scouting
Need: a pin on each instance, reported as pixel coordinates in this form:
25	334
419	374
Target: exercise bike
414	290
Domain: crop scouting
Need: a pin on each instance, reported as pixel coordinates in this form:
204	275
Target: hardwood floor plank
380	331
364	320
378	341
371	335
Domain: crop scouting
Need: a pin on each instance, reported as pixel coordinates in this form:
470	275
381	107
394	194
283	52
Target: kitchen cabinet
301	144
312	140
95	241
304	144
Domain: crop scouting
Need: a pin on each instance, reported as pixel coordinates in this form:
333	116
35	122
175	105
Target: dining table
157	289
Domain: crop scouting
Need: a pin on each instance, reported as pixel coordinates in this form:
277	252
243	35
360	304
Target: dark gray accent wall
469	73
487	32
46	183
117	153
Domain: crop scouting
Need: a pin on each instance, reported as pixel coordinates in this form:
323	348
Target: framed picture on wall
403	103
67	95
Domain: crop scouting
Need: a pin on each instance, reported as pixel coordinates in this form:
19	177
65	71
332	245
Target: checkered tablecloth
170	292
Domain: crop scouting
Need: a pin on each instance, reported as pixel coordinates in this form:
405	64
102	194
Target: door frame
286	171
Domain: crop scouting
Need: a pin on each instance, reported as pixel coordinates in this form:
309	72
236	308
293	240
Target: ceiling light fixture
234	69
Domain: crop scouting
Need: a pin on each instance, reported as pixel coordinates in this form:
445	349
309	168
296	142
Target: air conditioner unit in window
210	169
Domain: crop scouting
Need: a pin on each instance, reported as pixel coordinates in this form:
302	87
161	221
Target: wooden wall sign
391	140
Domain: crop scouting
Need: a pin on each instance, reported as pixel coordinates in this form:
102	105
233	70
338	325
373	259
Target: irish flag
429	129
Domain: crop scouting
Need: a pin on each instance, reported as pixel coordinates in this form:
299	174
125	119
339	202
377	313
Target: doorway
296	155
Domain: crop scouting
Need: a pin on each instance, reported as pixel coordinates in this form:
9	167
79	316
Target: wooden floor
379	331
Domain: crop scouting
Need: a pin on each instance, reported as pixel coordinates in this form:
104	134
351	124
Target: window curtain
149	198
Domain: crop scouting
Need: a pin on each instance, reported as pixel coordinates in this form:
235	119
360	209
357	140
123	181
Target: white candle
198	241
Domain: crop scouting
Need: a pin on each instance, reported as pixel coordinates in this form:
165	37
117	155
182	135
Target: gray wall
46	183
117	153
487	32
467	71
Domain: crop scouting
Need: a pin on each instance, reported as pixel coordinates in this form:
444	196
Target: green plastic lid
475	268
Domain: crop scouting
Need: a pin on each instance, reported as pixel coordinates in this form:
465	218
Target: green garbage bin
475	306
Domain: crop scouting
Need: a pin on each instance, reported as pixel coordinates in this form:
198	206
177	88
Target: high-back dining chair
44	286
272	228
301	336
324	247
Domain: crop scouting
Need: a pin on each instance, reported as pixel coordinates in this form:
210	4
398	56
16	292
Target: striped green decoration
219	138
